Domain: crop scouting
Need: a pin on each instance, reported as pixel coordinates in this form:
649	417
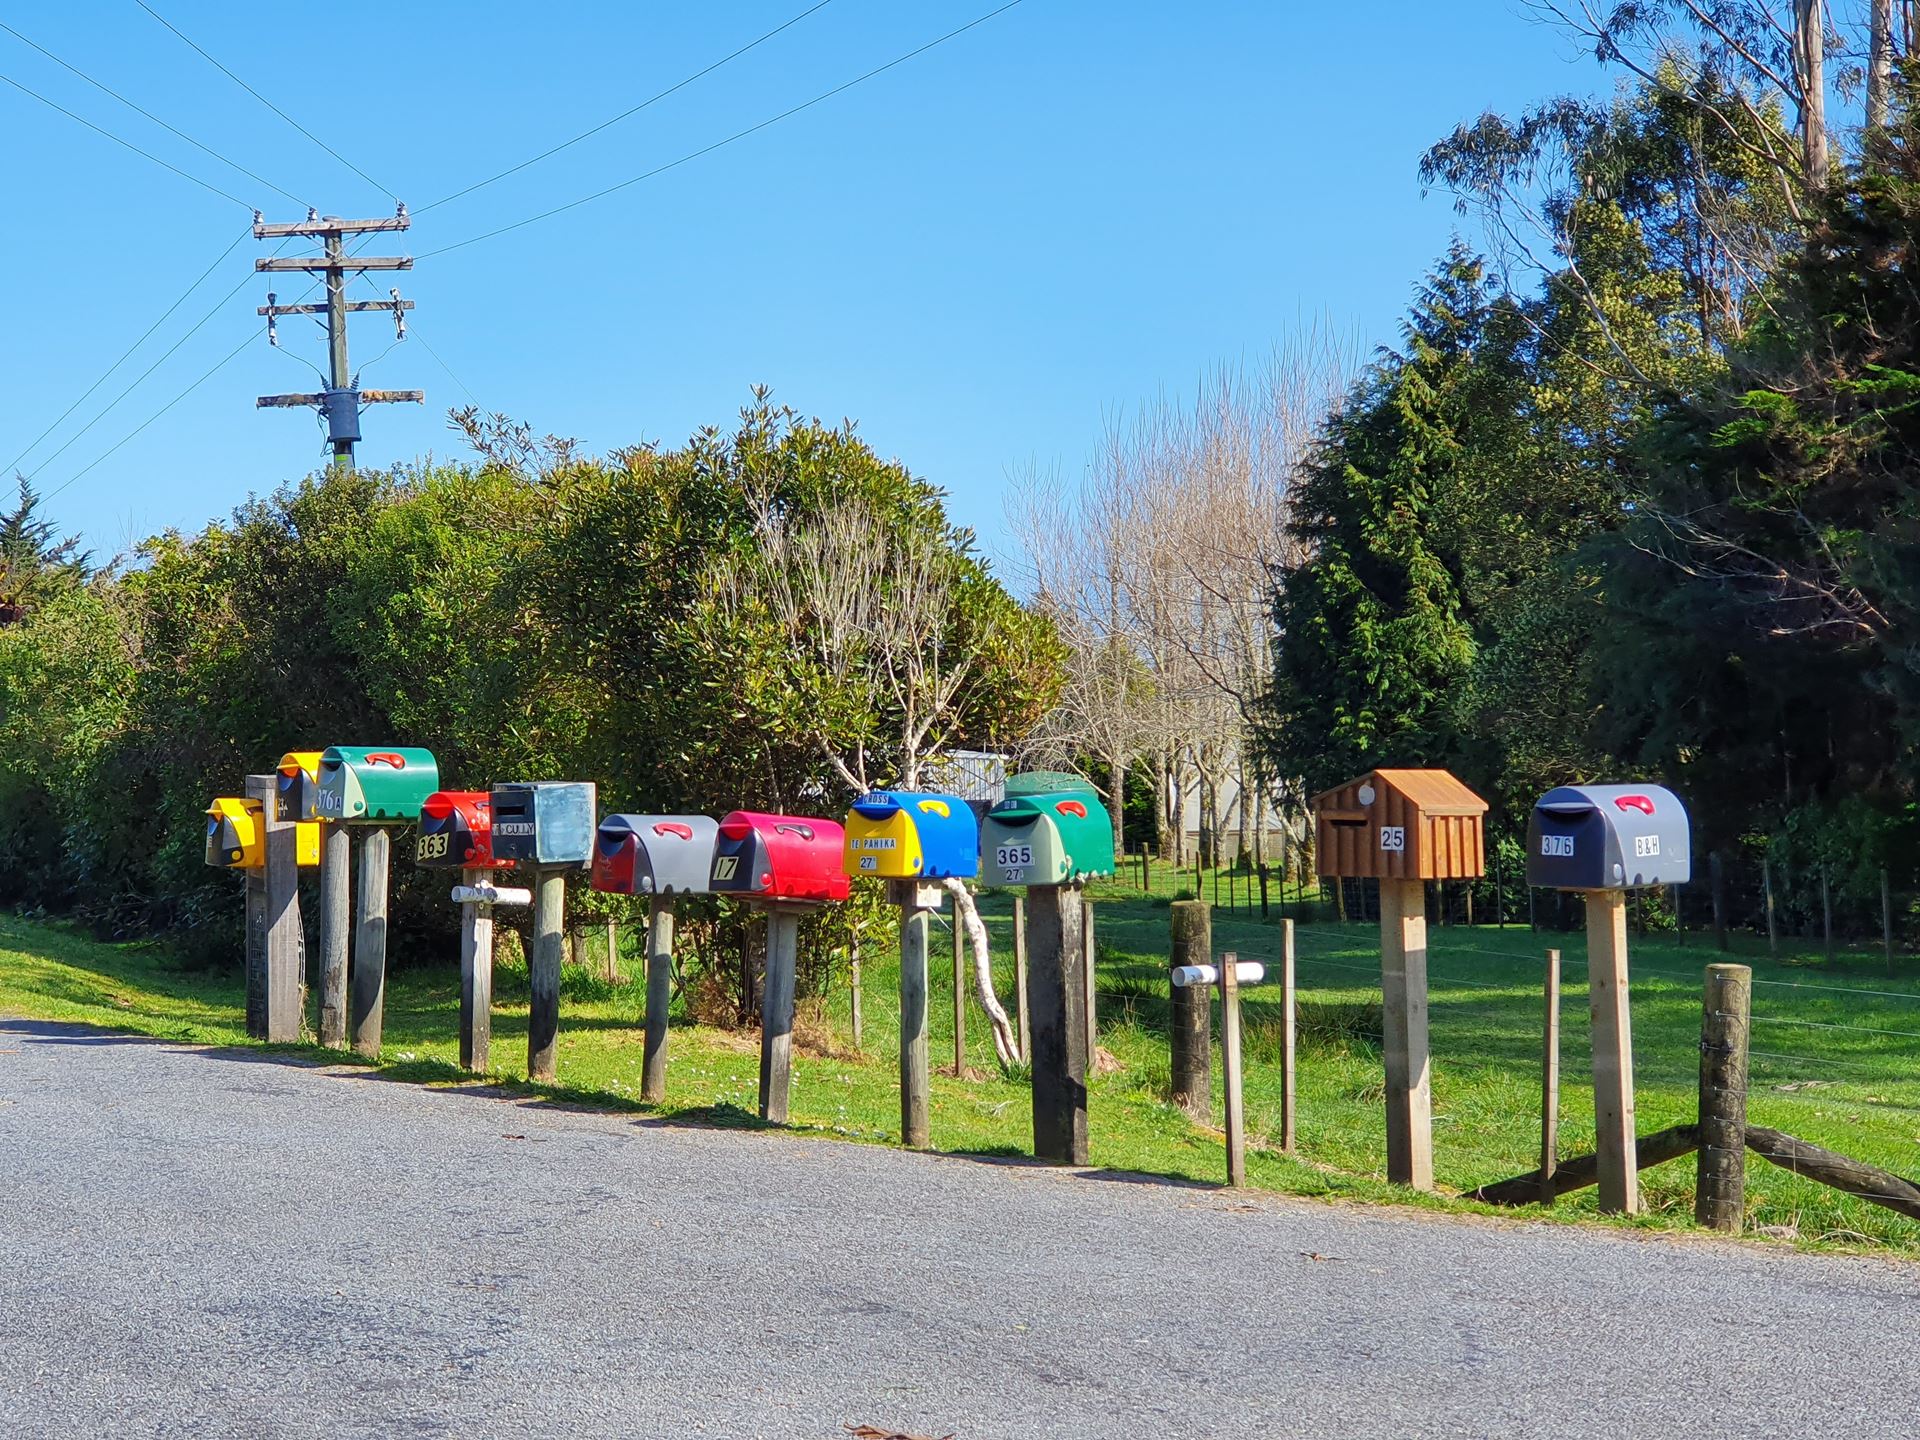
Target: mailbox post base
336	916
1057	1005
1615	1147
370	944
1403	1018
915	1130
653	1069
776	1013
476	978
543	971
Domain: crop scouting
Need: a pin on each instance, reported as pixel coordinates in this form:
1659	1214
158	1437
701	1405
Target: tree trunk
1810	65
1161	836
1245	801
1879	62
1117	791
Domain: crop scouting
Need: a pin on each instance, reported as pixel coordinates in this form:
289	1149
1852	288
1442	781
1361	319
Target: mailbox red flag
1634	802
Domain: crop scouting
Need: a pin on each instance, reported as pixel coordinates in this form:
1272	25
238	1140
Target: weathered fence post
543	972
1826	911
476	977
1230	1068
853	987
1721	1178
370	940
1499	891
915	922
255	961
776	1013
613	949
336	916
1717	881
1403	1015
1146	869
1550	1082
1192	1025
281	1011
1773	923
1020	976
1056	995
1886	918
653	1065
1613	1108
959	999
1287	1047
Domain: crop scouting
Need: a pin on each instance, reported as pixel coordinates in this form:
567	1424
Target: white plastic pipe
1247	972
491	895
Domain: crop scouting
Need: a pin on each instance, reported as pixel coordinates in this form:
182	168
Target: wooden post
1499	891
1613	1117
476	978
1826	912
1720	1189
370	941
853	988
1674	895
256	953
1192	1021
1146	869
776	1014
336	920
1092	953
653	1064
1533	920
914	1130
282	1012
1773	923
1886	918
1230	1068
1020	977
1263	889
1403	1011
613	950
1340	899
959	998
543	971
1056	991
1550	1082
1717	885
1288	1055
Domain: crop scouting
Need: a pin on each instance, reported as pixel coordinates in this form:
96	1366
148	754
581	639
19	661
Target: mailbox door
339	796
456	831
234	839
949	837
678	852
1567	843
740	862
882	840
1020	845
804	853
1086	832
298	788
564	812
616	857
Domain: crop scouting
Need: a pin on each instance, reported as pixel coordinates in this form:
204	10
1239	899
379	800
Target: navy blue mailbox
544	823
912	835
1608	837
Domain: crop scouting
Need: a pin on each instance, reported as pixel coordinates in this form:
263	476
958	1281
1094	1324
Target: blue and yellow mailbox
911	835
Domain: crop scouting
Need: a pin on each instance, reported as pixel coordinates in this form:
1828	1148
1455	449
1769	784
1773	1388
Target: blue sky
976	255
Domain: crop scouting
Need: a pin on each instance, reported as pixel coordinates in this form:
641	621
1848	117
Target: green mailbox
366	786
1046	832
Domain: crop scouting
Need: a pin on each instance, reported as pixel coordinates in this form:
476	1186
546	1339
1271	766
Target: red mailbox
779	857
456	832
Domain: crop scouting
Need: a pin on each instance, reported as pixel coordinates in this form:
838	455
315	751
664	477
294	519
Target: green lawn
1835	1051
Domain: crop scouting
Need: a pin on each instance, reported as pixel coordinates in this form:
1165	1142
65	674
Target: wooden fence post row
1721	1176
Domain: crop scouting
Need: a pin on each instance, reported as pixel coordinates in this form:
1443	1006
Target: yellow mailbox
236	840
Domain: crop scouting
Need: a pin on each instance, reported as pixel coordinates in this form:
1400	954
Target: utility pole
340	402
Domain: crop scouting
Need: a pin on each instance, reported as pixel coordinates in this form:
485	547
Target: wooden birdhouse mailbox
1403	828
1400	825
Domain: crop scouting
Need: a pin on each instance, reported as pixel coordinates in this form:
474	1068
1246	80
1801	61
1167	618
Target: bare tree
1879	61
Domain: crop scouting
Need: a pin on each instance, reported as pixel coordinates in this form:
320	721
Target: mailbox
1400	825
654	854
1045	836
456	832
236	840
544	822
912	835
299	785
374	786
1608	837
779	857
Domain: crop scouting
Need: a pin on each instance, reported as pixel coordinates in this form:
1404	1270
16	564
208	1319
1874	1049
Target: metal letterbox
1044	833
912	835
654	854
236	840
299	785
456	832
372	786
544	822
1608	837
779	857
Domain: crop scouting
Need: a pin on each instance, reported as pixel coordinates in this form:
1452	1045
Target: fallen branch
1584	1170
1867	1182
1005	1044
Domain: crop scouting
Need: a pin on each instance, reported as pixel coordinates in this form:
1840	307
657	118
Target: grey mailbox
545	822
654	854
1608	837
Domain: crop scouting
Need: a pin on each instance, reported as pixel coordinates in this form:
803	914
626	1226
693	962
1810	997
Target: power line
144	154
264	101
129	350
414	333
718	144
625	114
138	110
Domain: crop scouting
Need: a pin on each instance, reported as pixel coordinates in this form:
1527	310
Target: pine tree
34	563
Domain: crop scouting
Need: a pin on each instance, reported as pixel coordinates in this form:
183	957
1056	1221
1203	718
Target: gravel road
214	1242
